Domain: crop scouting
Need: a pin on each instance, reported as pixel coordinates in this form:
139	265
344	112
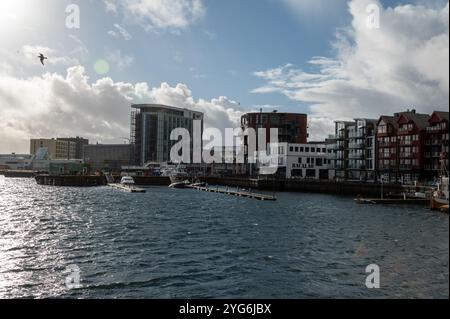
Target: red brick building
401	146
292	127
387	148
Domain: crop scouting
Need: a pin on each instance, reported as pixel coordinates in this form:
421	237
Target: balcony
357	145
436	129
356	156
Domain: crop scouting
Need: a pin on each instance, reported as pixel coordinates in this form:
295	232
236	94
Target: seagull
42	58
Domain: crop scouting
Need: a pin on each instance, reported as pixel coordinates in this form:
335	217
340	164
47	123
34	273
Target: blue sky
214	56
215	51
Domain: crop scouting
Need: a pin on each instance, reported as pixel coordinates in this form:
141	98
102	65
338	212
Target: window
296	149
302	149
291	149
307	149
313	149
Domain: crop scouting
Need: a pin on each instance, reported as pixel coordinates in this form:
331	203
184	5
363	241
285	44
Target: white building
15	161
296	161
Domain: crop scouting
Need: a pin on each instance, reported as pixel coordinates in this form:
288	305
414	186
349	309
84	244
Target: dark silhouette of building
292	127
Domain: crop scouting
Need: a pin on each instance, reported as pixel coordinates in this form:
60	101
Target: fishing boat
439	199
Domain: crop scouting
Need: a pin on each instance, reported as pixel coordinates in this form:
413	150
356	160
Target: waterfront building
401	144
151	126
107	157
436	144
15	161
58	149
292	127
331	149
79	144
296	161
388	149
355	150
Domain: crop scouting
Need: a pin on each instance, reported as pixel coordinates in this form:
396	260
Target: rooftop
161	107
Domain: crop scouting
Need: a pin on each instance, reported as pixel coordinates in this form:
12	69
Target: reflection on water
181	243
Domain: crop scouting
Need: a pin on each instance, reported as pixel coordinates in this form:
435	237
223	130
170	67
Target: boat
439	199
127	184
177	174
183	184
127	181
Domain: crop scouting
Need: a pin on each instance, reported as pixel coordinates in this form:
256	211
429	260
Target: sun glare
13	11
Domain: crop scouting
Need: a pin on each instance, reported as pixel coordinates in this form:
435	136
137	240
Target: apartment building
58	149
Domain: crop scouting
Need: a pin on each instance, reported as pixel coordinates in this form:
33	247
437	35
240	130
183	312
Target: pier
237	192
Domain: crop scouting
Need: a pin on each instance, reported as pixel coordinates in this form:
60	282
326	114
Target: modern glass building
151	126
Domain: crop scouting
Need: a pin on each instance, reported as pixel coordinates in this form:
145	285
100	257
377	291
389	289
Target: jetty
237	192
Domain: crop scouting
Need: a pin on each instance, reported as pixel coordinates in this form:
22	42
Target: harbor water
182	243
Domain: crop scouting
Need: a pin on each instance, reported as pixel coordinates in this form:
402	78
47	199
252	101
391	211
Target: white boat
127	181
184	184
177	175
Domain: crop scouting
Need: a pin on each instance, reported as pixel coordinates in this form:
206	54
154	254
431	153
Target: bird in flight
42	58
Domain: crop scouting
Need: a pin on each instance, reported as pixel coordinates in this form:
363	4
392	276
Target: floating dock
129	189
237	193
392	201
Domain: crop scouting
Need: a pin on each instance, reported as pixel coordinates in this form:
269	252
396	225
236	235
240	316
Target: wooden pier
237	192
126	188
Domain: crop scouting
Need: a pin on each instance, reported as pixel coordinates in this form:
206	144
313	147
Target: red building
401	146
436	144
387	148
292	127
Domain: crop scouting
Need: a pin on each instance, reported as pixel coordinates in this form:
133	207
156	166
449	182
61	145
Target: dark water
187	244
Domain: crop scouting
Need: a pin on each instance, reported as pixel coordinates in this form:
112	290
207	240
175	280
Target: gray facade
151	126
107	157
355	150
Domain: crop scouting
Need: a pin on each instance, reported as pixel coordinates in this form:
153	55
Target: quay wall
71	180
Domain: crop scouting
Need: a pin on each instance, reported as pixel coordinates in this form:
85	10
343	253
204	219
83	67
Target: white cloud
31	52
120	31
121	62
403	64
156	15
54	105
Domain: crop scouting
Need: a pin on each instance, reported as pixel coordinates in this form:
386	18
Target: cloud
30	53
120	61
155	15
120	31
53	105
403	64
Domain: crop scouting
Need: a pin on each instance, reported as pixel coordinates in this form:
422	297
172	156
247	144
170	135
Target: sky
221	57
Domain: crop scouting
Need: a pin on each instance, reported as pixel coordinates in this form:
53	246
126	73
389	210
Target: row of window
302	149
